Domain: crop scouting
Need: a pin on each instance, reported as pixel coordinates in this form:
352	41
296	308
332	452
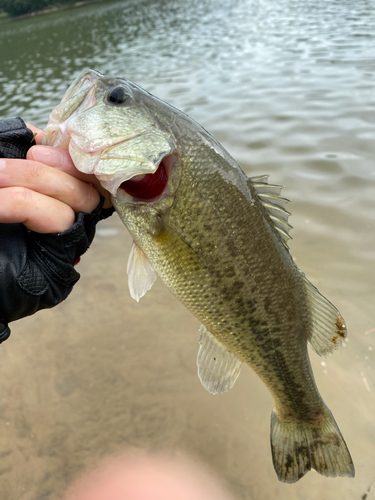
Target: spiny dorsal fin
269	195
328	329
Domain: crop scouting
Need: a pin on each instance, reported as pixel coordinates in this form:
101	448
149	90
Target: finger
60	159
53	157
37	131
36	211
51	182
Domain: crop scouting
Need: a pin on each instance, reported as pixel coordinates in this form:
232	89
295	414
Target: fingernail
2	164
48	155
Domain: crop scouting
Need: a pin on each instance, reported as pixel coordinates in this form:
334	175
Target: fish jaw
138	155
115	143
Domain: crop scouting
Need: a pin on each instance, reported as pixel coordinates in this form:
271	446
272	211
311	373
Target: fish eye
117	96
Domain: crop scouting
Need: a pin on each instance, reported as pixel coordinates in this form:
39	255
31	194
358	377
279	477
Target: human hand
148	477
45	190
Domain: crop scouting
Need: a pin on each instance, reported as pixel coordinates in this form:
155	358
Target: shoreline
53	9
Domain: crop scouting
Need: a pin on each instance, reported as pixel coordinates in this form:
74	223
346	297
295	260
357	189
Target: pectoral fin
141	276
218	369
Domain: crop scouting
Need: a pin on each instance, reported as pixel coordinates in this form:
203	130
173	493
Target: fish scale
260	339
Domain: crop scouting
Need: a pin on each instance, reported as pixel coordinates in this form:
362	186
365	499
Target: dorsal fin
269	195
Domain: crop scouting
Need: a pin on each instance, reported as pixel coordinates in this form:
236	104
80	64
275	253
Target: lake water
288	88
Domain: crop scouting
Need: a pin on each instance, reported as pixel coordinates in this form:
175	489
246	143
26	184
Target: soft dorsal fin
218	369
328	329
274	204
141	275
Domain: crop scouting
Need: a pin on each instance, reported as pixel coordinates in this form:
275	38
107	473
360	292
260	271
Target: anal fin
218	369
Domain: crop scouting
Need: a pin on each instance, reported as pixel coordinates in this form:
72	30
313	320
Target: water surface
288	88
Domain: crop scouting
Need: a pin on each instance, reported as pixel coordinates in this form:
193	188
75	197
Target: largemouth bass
218	240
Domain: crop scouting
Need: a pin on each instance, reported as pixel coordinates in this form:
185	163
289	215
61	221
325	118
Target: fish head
111	131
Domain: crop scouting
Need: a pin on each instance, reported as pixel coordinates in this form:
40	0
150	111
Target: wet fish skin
215	276
215	241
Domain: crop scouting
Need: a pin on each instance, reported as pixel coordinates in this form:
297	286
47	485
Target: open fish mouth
130	155
151	186
120	165
135	168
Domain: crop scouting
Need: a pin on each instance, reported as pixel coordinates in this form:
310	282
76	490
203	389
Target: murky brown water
288	88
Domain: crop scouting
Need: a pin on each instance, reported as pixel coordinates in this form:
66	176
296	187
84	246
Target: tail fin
299	446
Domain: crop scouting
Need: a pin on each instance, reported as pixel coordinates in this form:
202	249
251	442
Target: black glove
15	138
37	270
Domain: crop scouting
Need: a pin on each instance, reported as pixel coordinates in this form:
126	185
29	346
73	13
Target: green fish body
218	240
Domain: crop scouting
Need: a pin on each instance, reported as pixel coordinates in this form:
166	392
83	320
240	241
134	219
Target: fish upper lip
68	136
101	148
